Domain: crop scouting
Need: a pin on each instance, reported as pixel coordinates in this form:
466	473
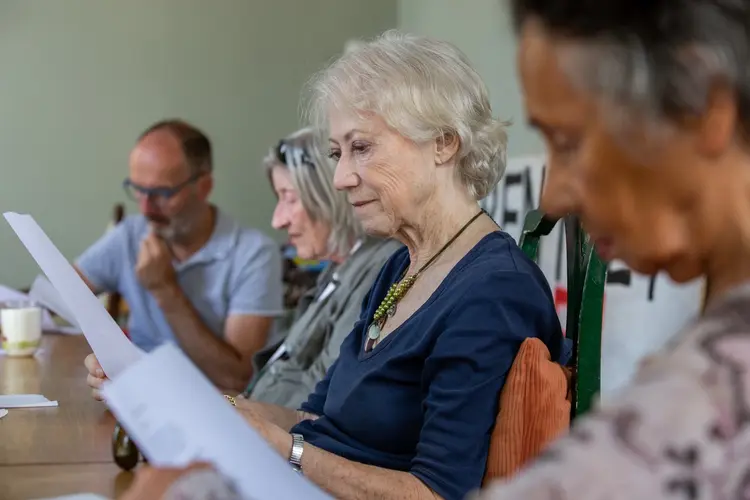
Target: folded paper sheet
25	401
113	349
176	417
43	292
3	412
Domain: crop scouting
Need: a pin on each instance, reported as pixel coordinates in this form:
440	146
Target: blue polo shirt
238	271
425	399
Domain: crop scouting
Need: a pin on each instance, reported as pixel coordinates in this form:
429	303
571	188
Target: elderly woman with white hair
407	410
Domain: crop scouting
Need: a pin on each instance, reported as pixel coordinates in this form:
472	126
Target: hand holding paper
176	417
113	349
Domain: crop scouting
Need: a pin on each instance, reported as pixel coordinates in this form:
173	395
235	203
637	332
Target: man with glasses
189	273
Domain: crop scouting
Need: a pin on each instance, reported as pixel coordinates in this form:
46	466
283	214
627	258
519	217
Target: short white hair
424	89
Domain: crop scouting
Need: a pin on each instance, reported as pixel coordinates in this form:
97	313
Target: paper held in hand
176	416
113	349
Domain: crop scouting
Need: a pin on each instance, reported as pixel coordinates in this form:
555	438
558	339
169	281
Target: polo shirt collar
221	243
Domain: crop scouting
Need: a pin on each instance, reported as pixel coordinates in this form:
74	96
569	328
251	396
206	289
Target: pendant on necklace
373	333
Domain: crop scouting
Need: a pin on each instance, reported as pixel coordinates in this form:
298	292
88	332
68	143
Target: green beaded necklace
396	292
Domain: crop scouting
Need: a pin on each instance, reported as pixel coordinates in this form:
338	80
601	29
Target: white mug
20	327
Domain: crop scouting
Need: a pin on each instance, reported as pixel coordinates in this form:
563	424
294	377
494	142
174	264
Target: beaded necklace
396	292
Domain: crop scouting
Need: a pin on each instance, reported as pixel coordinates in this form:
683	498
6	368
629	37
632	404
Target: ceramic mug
20	327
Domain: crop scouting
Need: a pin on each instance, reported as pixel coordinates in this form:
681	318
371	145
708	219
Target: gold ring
231	400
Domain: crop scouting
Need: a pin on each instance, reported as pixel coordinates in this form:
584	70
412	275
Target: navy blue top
425	399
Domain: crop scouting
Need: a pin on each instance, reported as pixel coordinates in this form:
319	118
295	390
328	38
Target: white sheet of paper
45	293
25	401
176	416
112	348
10	295
3	412
67	330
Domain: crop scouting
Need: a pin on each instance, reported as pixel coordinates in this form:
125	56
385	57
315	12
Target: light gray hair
311	173
424	89
659	61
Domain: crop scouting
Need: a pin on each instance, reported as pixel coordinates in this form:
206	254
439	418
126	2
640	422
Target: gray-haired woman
321	226
645	108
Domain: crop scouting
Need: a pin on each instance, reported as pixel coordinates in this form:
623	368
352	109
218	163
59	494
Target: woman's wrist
282	441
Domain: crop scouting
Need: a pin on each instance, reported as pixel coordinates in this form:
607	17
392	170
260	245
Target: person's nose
280	218
345	177
560	194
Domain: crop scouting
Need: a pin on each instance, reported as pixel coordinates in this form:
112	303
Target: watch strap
295	457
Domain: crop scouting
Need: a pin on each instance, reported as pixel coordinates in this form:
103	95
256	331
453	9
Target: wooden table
47	452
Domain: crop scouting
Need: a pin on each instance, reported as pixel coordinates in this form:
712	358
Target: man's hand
96	376
154	267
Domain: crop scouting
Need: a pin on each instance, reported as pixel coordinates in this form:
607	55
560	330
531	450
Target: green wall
481	29
81	78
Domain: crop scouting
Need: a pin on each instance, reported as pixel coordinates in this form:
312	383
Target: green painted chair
587	275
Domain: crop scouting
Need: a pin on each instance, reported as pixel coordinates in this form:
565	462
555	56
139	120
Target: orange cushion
534	410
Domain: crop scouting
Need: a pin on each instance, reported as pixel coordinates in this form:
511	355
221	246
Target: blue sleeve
102	263
465	373
257	284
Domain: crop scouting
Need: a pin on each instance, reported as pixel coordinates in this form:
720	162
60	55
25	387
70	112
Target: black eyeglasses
292	156
158	195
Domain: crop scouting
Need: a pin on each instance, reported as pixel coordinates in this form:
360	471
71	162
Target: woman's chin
683	273
679	271
376	226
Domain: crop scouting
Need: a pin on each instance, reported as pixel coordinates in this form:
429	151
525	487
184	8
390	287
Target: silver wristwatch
295	457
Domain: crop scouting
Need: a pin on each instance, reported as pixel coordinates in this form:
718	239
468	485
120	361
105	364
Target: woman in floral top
645	110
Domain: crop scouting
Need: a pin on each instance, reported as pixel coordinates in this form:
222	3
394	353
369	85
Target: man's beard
177	229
